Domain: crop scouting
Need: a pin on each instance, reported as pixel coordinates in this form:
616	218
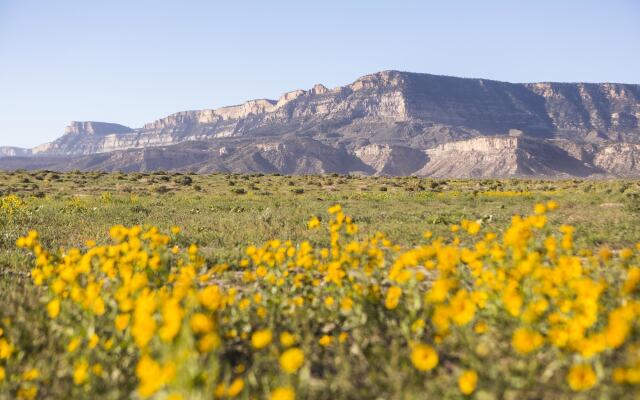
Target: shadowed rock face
390	160
503	157
388	123
6	151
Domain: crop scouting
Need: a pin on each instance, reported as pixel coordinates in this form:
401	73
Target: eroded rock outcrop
504	156
387	123
6	151
95	128
392	160
620	159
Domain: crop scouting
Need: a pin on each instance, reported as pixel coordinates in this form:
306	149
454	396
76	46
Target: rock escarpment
7	151
504	157
89	128
388	123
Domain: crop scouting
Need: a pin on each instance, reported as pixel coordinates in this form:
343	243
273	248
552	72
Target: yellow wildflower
393	297
236	387
283	393
31	374
261	339
122	321
335	209
93	340
467	382
581	377
97	369
462	308
346	304
291	360
526	340
424	357
53	308
210	297
80	372
5	349
313	223
208	342
73	345
200	323
328	301
325	340
287	339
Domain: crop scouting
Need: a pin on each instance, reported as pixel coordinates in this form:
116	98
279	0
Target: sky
134	61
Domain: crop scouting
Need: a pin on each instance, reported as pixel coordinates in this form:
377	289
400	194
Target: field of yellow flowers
522	312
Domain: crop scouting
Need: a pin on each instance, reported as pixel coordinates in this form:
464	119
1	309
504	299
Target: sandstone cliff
6	151
388	123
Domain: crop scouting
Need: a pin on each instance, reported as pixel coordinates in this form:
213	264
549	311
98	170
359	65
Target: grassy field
314	321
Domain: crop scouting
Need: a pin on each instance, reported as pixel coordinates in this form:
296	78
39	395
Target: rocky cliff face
6	151
503	157
89	128
388	123
390	160
621	159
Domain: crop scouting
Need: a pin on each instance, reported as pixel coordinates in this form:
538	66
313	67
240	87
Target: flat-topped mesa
95	128
553	128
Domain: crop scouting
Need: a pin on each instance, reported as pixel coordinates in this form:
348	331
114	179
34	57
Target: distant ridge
387	123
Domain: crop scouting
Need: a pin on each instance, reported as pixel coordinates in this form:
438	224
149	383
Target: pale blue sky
133	61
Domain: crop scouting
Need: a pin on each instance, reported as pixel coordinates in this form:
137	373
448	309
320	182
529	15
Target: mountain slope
504	157
389	123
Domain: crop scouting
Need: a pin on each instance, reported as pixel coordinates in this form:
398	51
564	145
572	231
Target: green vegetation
224	213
